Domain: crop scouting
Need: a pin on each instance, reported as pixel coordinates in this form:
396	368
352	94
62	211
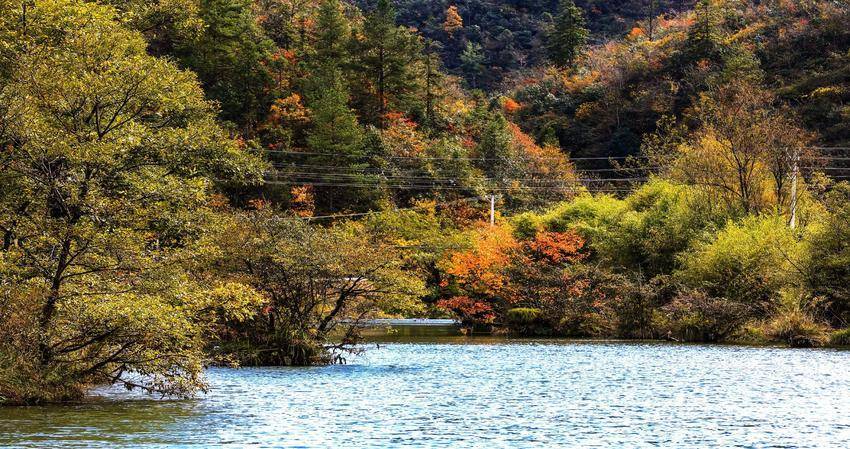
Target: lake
482	392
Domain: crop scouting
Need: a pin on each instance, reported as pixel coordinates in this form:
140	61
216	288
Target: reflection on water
495	393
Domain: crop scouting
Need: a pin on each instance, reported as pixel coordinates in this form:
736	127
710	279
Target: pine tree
705	35
388	55
228	58
335	129
433	79
568	34
334	34
472	61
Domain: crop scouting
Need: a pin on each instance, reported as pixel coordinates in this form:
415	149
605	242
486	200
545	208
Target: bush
527	321
635	304
697	317
593	217
663	219
643	233
587	309
748	263
840	338
797	329
523	315
828	270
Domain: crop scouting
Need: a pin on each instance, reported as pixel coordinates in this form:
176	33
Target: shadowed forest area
186	183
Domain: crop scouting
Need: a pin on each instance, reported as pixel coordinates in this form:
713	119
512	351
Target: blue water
487	394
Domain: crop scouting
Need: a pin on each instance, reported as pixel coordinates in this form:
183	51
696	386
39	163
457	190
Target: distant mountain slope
511	32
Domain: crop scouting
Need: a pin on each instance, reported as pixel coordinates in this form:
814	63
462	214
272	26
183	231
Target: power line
425	171
572	187
453	180
434	158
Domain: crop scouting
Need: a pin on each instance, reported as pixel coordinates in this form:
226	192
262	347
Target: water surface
482	393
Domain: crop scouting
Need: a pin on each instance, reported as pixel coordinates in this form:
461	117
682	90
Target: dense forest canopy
511	35
186	182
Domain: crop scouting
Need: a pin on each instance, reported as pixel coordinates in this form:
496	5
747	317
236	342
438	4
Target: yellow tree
453	22
104	190
743	149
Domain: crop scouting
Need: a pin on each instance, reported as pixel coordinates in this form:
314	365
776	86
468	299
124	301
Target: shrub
797	328
643	233
593	217
527	321
840	338
636	302
828	270
523	315
748	263
663	219
695	316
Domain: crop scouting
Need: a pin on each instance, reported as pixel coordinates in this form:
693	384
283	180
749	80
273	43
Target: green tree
568	34
321	283
705	36
472	61
334	129
105	180
166	24
334	35
228	58
828	270
389	58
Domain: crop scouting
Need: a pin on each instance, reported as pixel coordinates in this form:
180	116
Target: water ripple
489	395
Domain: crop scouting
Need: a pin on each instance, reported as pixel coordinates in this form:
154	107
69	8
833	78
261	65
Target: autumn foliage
492	277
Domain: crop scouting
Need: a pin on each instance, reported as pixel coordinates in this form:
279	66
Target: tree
828	270
388	56
228	58
704	40
568	34
166	24
320	284
472	61
741	151
474	279
433	79
333	36
105	182
453	22
334	126
338	141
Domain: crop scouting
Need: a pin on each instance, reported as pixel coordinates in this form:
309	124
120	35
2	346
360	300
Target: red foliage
555	248
468	309
510	106
483	274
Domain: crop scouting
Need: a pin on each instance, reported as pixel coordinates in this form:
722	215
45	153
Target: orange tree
542	275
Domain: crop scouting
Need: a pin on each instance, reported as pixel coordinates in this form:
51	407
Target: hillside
610	102
511	33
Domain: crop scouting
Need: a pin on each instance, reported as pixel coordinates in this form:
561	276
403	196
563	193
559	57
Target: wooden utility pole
493	210
795	168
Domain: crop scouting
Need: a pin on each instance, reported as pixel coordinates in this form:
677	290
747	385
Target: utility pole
492	210
794	173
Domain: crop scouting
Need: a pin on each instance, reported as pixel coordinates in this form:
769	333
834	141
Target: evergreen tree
388	57
568	34
433	79
705	35
333	36
228	58
335	129
494	148
472	61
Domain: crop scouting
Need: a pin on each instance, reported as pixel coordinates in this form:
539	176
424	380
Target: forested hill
484	41
797	53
